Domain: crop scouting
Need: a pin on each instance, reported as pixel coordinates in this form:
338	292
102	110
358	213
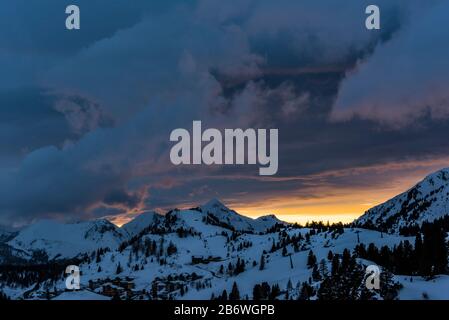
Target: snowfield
420	289
80	295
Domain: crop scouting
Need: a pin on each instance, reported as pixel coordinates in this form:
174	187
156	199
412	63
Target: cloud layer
406	78
86	116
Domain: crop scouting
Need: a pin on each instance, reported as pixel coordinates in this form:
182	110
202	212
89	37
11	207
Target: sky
86	115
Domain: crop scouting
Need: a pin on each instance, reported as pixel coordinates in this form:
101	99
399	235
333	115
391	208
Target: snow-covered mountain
59	240
6	235
426	201
8	254
200	253
141	222
227	217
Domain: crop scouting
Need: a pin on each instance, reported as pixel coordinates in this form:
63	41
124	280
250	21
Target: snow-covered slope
60	240
426	201
80	295
267	222
6	235
141	222
417	288
215	248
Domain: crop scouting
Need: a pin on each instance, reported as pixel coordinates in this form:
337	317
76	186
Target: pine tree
273	247
98	258
284	251
388	289
235	294
119	269
327	289
261	291
154	290
306	292
239	267
289	285
171	249
323	268
257	292
315	273
311	260
345	260
296	246
262	262
335	265
275	291
224	295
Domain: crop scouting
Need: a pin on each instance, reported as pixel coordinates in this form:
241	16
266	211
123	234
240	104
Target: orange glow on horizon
344	206
330	203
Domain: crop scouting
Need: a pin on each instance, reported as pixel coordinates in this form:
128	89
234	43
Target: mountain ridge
69	240
426	201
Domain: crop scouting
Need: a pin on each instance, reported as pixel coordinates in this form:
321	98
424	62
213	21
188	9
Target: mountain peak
268	217
426	201
214	203
141	222
437	178
67	240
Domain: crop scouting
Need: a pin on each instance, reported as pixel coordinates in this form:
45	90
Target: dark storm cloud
407	77
34	118
120	197
74	178
39	25
28	119
33	37
160	66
